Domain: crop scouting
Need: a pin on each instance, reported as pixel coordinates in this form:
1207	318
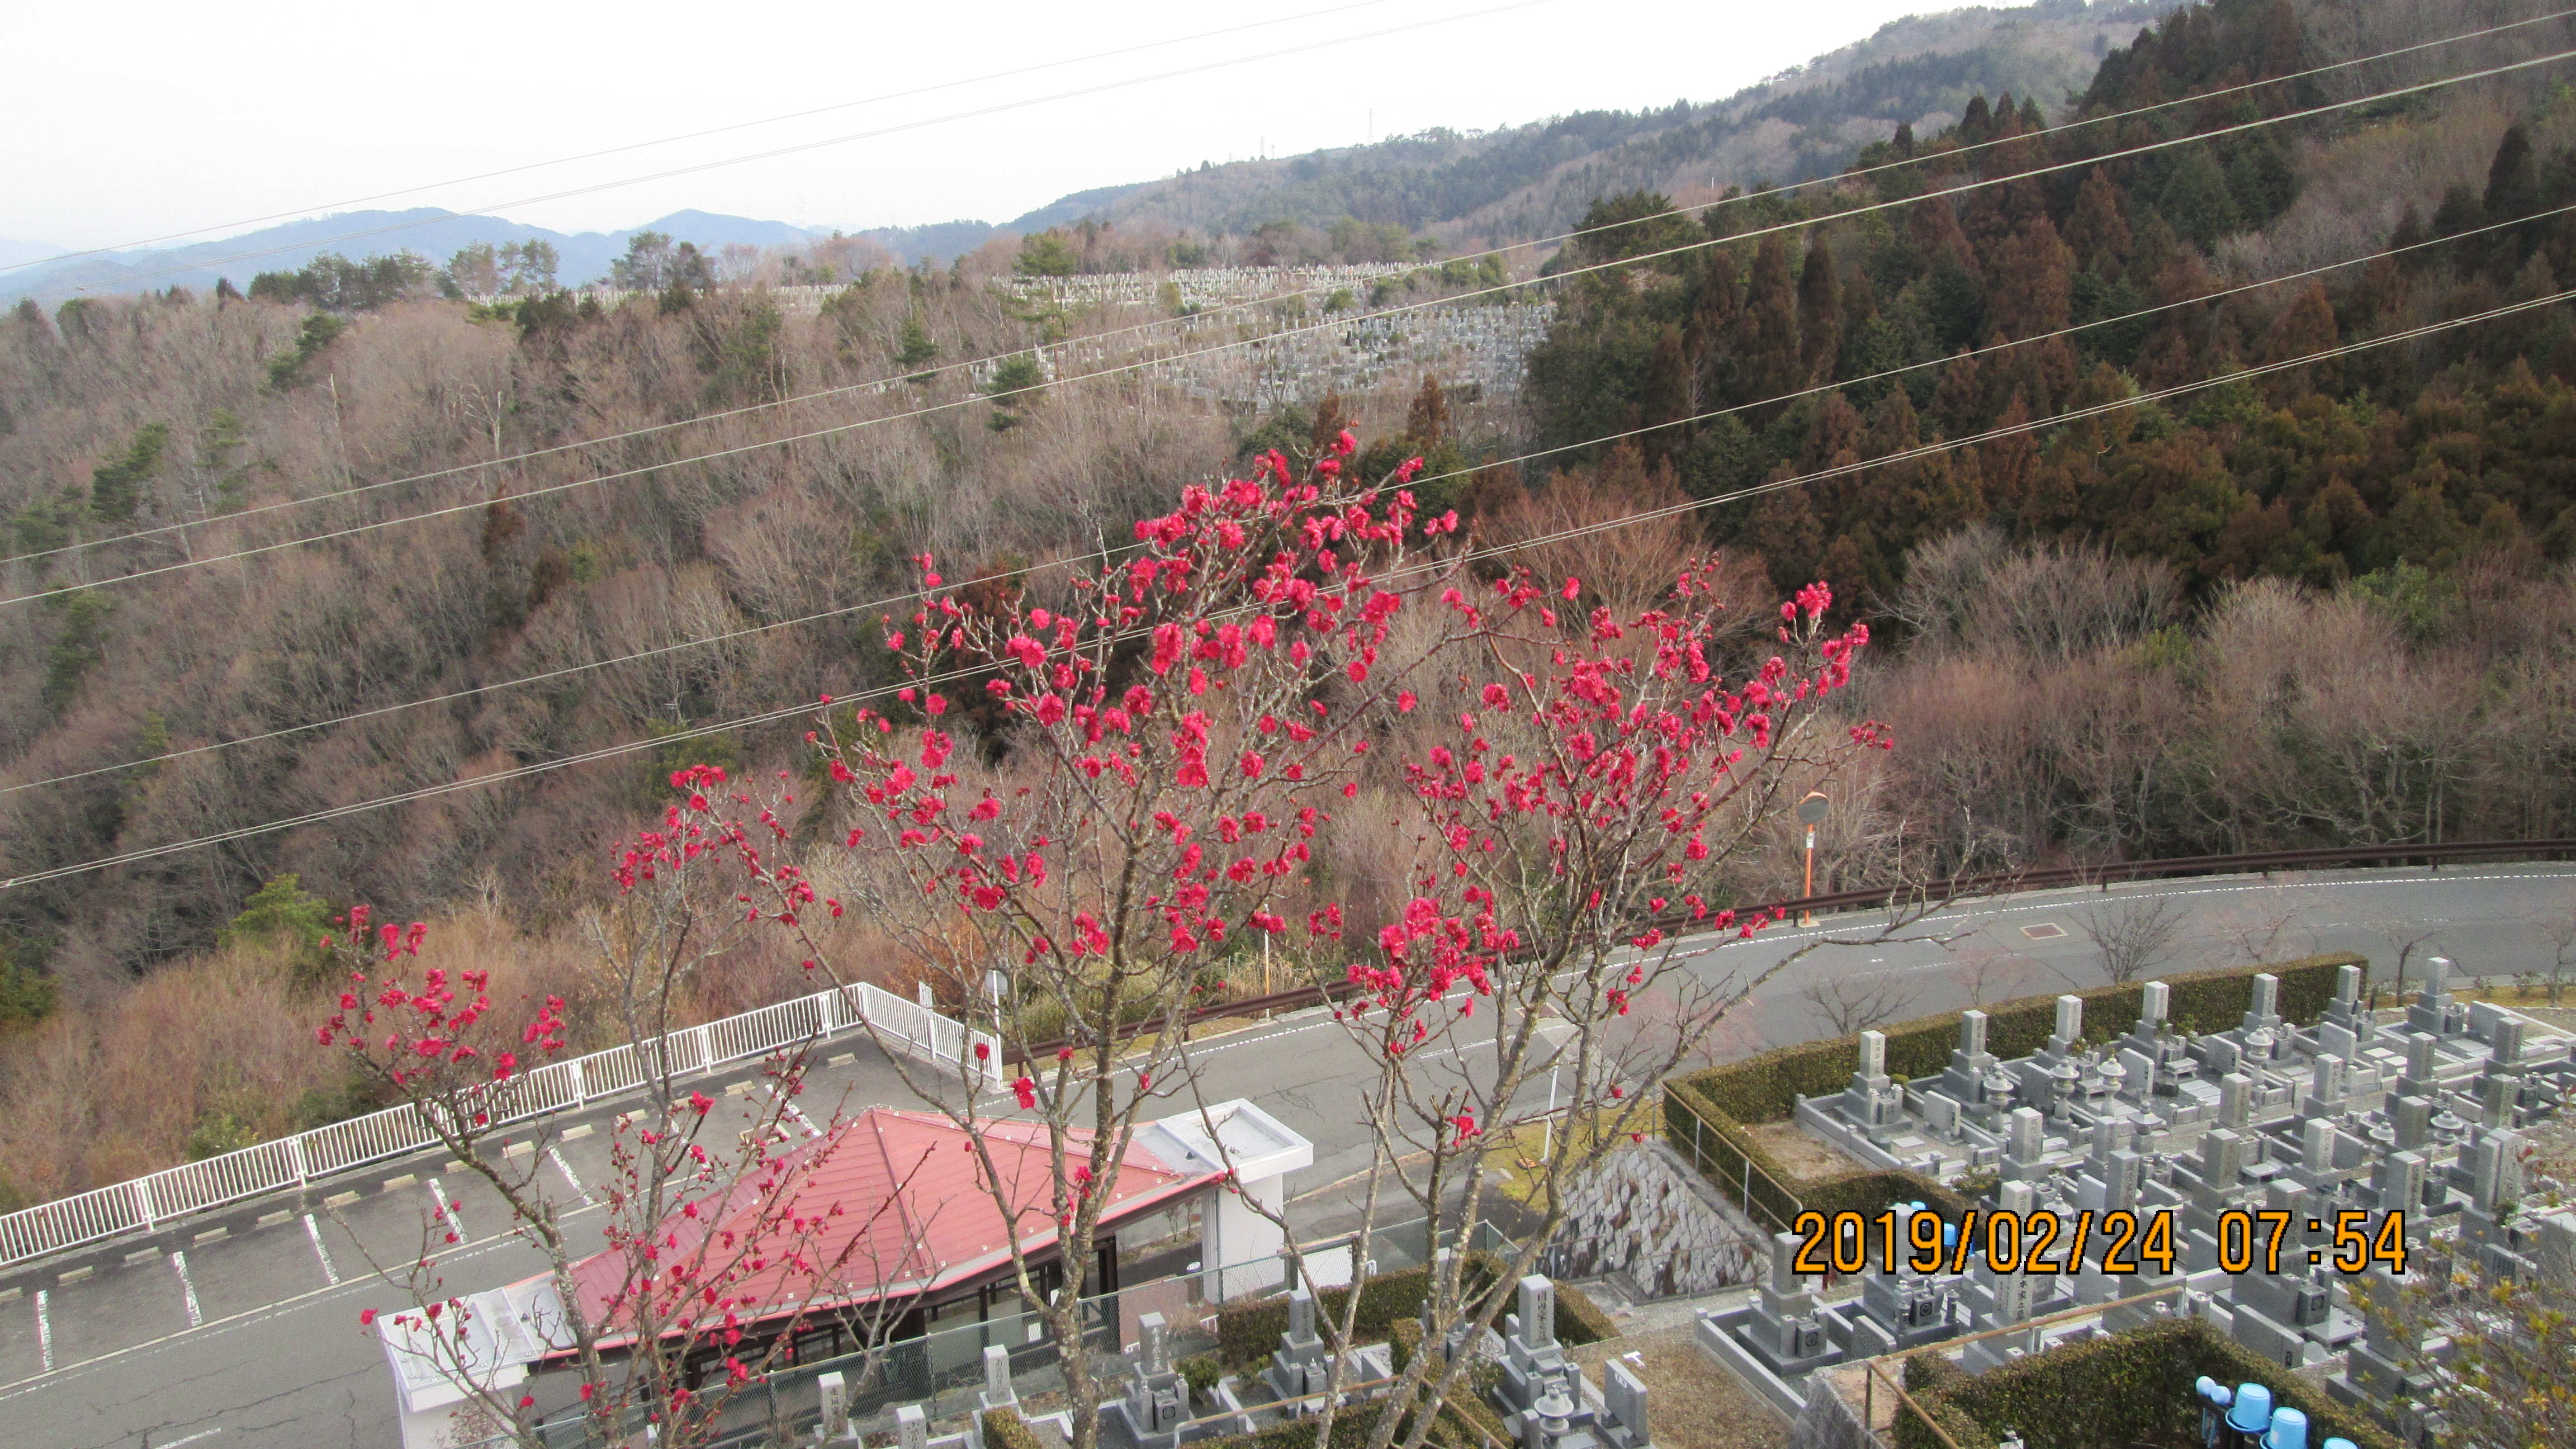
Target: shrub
1579	1319
1005	1429
1201	1371
2127	1388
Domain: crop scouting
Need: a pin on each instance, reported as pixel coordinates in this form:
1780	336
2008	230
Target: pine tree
116	486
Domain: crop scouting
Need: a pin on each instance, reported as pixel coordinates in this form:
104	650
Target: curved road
240	1327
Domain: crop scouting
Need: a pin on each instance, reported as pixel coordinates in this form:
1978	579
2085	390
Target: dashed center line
313	1230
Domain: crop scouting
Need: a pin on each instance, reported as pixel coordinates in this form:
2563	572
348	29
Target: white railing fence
144	1203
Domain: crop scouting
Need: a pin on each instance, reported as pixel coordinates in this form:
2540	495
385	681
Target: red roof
890	1204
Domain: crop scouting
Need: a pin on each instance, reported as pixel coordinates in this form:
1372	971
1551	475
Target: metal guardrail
145	1203
1954	888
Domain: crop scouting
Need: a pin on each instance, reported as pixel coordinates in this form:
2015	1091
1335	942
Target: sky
157	123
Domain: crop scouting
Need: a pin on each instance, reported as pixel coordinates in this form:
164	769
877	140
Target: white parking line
188	1289
566	1169
313	1230
44	1330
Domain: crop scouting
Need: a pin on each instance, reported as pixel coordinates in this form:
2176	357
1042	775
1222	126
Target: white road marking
440	1211
566	1169
44	1330
188	1289
313	1230
193	1438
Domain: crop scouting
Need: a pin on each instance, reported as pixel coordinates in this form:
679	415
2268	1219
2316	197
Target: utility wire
999	108
1152	363
332	206
958	675
1100	555
882	385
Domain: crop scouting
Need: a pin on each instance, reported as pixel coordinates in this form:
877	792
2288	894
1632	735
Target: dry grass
1691	1401
217	1052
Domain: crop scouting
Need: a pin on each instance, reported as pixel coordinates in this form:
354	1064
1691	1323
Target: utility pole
1811	812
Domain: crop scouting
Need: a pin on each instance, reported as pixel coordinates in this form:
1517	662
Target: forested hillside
1518	183
256	572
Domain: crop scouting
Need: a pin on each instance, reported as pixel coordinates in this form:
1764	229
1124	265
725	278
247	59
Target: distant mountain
14	252
1467	187
583	256
1535	180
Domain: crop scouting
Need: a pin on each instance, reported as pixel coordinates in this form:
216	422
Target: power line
882	385
999	108
913	595
958	675
328	207
1151	363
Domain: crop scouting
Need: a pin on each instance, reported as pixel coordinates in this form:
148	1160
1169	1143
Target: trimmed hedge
2123	1389
1704	1112
1005	1429
1246	1334
1766	1088
1579	1320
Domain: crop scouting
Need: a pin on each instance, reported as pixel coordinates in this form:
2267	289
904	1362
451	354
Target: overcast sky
149	118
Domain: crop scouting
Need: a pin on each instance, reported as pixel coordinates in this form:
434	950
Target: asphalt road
240	1326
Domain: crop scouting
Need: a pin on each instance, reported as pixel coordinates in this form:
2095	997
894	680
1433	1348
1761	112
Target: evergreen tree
2034	286
116	486
1768	359
2196	200
1667	399
2097	233
2513	190
1820	312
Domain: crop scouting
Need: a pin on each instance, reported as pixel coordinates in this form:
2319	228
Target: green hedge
1005	1429
1579	1320
1247	1333
1766	1088
1704	1111
2128	1388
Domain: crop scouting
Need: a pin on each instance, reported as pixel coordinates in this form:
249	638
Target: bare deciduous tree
2133	933
1856	1003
